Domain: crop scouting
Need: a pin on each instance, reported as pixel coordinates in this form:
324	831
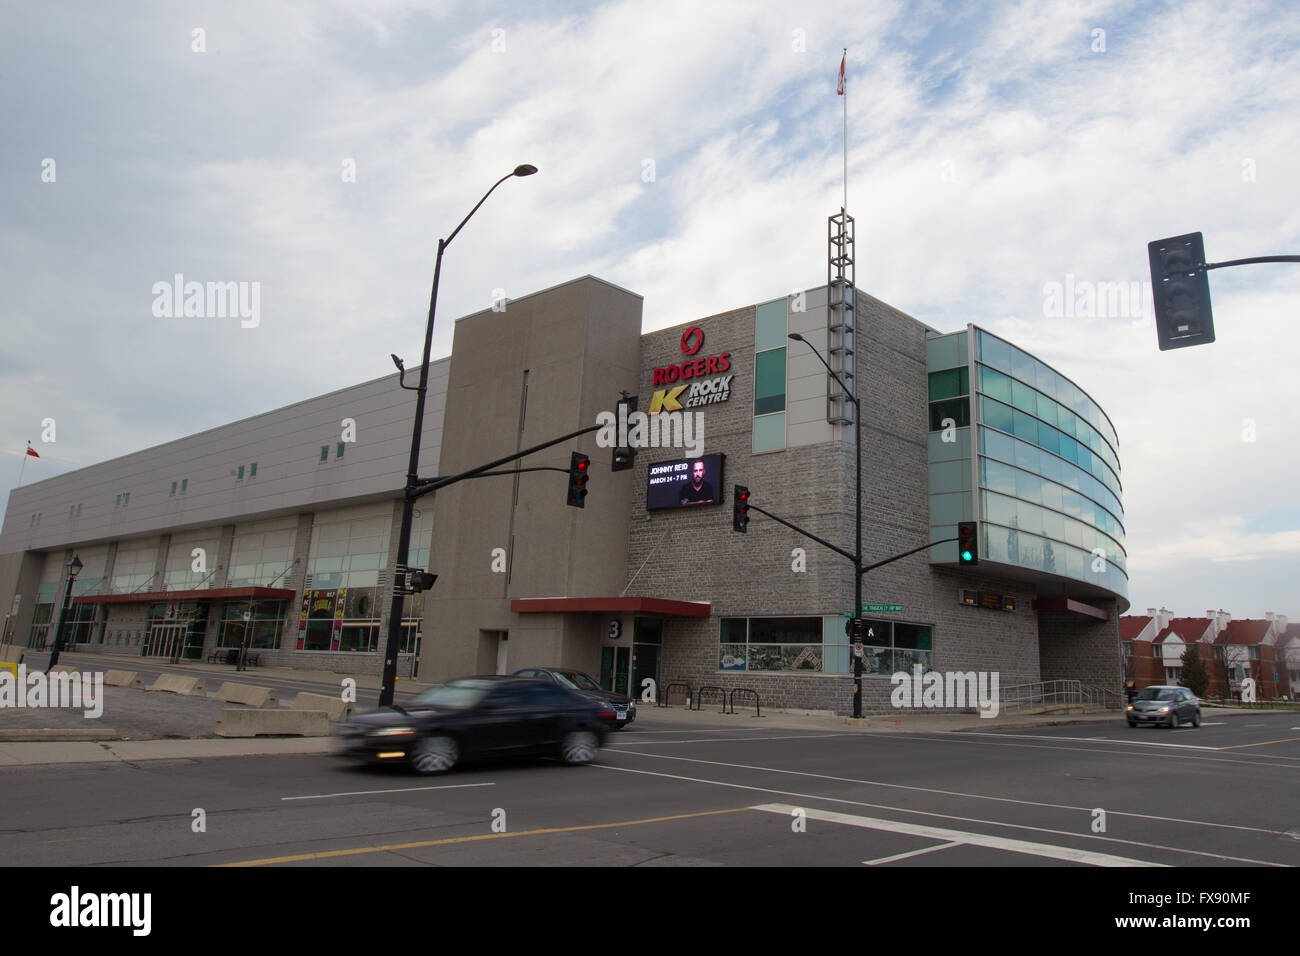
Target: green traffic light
965	555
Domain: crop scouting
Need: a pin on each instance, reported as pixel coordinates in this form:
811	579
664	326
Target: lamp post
74	568
857	549
408	506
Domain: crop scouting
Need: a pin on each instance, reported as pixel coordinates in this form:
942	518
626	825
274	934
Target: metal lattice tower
840	318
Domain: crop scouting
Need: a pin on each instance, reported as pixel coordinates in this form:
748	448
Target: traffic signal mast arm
841	551
433	484
1246	262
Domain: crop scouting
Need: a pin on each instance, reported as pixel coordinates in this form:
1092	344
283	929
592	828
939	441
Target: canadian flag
840	88
32	451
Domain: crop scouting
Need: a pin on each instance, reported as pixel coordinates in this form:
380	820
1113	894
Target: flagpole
846	135
24	467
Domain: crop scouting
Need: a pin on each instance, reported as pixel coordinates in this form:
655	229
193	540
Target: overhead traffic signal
968	550
1180	289
422	580
740	509
624	455
579	465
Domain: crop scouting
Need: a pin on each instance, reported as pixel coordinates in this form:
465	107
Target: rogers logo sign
693	334
692	341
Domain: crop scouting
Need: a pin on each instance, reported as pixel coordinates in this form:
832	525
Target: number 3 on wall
615	630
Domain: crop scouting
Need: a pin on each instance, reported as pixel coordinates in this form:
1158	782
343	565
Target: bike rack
722	692
758	709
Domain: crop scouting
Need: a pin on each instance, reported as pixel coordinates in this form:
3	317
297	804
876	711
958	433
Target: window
72	509
126	498
769	382
118	502
338	452
324	452
173	487
239	473
949	384
252	470
185	483
958	409
78	507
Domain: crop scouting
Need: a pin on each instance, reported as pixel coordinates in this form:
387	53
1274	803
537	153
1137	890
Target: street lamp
857	550
408	507
74	568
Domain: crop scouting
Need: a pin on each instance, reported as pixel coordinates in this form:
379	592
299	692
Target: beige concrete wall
579	344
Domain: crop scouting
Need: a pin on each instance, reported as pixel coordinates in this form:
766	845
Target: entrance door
164	640
645	664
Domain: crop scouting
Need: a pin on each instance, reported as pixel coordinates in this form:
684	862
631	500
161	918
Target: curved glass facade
1042	457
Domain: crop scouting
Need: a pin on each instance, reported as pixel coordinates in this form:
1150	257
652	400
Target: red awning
210	594
662	607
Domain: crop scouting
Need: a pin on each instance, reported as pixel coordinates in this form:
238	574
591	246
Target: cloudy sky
690	152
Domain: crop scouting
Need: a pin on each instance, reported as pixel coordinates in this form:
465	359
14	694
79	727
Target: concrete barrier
65	669
255	723
11	653
336	708
179	684
123	679
247	694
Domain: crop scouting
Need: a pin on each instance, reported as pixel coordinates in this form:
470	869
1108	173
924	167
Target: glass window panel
1022	366
1022	396
1028	487
996	384
996	415
1054	525
1048	437
1026	427
1052	495
1044	378
999	477
1031	519
770	328
1046	409
769	382
1028	457
999	510
912	636
998	445
769	432
946	351
945	384
1069	450
956	410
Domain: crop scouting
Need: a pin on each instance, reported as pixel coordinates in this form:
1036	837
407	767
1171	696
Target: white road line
1113	740
367	793
963	836
939	737
945	816
954	793
903	856
731	740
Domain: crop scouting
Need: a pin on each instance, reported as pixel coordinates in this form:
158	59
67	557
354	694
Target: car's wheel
1196	719
434	755
1132	723
1174	722
579	746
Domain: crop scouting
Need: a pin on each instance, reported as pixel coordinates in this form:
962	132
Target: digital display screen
685	484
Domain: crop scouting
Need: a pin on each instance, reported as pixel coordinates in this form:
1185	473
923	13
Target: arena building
281	530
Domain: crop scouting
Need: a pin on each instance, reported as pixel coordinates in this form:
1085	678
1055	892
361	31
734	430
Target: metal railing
1059	693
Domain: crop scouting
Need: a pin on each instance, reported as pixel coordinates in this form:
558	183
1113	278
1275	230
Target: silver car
1164	706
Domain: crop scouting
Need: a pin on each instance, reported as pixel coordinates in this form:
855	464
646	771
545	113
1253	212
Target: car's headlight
391	732
1164	710
1130	706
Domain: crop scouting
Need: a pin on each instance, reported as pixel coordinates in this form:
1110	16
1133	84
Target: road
712	794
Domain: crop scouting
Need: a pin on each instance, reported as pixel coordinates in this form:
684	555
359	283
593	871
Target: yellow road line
482	836
1262	743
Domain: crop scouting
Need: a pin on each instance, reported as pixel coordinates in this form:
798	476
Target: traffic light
422	580
579	464
1181	291
968	549
740	509
624	455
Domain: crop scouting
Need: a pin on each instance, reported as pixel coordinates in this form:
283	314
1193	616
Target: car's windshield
456	695
576	680
1158	693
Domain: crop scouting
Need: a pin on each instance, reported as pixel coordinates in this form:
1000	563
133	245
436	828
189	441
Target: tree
1195	674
